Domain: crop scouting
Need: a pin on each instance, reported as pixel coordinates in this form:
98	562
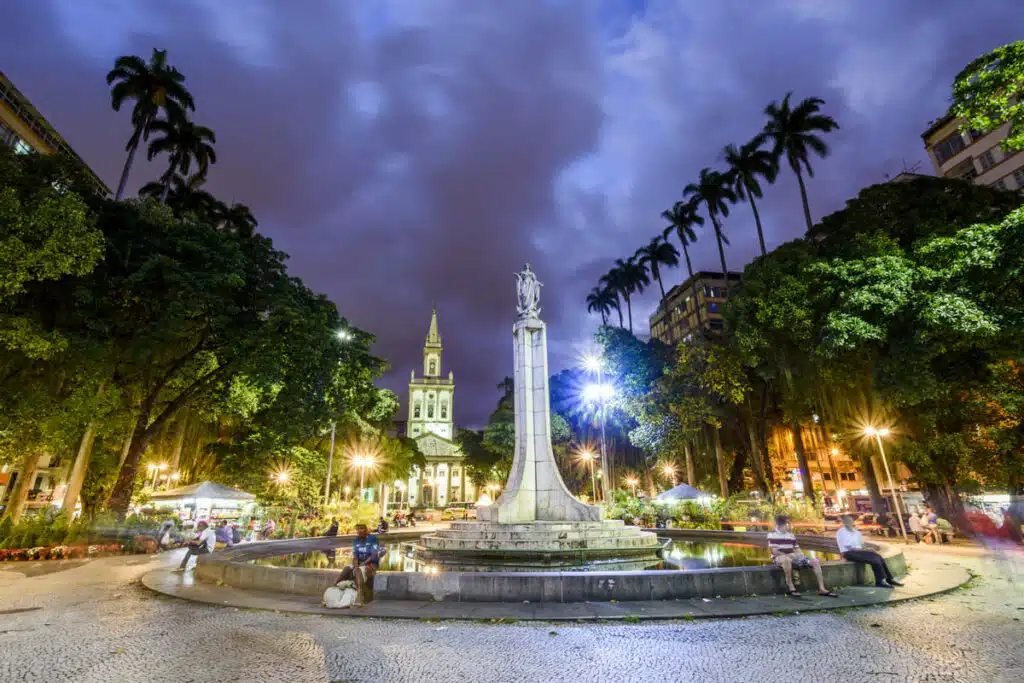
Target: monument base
590	539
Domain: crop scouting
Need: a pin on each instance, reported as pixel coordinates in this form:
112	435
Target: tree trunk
736	473
26	478
691	473
756	459
124	450
947	504
762	436
629	309
757	221
803	198
661	286
721	250
693	286
618	309
801	459
871	481
77	476
121	496
723	472
179	442
137	137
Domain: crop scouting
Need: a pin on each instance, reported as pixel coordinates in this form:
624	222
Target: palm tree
715	190
682	217
184	142
628	277
186	195
747	164
154	87
658	253
238	219
602	300
793	133
613	282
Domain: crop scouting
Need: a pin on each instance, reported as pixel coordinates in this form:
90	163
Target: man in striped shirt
786	555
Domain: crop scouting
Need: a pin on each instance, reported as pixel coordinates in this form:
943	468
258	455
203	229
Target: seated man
786	555
203	544
851	547
223	535
365	560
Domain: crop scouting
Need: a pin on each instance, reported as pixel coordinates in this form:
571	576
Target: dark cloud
417	151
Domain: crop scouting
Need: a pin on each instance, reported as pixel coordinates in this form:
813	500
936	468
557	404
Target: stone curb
929	580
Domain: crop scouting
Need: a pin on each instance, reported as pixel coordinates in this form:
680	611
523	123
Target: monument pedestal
535	490
536	518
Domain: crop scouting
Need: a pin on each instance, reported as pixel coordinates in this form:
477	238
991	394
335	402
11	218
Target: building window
975	135
430	410
1018	175
716	324
949	148
987	161
444	410
21	147
713	307
416	410
828	477
433	367
999	184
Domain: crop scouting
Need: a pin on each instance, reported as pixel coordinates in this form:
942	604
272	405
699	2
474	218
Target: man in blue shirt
365	560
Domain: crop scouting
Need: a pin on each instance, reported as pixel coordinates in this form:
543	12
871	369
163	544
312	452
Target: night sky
406	152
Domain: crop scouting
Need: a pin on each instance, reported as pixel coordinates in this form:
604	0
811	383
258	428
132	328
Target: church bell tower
430	397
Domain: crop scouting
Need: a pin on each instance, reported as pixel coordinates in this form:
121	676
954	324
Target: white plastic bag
340	596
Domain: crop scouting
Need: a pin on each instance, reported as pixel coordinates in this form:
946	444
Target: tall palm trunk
26	478
801	460
618	309
803	198
132	148
604	319
693	285
721	250
657	276
629	309
757	221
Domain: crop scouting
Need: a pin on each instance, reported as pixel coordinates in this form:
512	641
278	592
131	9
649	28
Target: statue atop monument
528	290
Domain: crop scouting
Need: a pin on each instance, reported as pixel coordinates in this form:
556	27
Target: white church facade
431	424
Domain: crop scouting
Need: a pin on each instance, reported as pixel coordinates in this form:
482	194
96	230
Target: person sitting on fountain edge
786	555
851	547
365	560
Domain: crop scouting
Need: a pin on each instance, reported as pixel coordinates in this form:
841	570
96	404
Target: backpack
340	596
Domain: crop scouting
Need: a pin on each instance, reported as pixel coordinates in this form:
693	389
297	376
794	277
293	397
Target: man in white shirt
204	543
851	547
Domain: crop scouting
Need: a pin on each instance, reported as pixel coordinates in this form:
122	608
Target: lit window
444	411
21	147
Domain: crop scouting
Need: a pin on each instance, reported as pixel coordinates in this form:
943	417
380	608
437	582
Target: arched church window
444	410
430	410
416	410
433	367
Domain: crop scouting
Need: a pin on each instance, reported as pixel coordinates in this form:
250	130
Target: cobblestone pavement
95	623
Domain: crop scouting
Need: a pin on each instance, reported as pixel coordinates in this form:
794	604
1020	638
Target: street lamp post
631	482
878	434
590	457
595	363
670	472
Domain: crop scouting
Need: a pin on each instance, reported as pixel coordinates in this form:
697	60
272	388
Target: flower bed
60	552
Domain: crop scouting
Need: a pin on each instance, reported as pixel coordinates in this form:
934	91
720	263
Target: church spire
433	336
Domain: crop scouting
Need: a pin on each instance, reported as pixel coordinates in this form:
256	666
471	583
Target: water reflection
681	555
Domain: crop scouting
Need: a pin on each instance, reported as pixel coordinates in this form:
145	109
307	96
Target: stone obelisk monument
535	491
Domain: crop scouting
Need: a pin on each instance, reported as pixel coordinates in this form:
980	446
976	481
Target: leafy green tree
46	233
714	189
155	87
748	164
794	134
990	92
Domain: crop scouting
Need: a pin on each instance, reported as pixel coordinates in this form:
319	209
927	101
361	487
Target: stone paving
96	623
